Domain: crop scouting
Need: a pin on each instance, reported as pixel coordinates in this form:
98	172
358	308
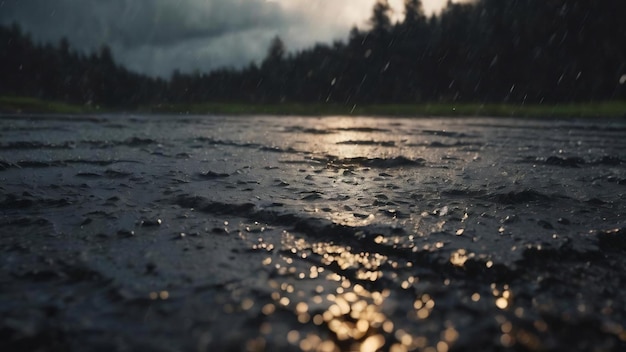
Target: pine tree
276	50
413	12
381	20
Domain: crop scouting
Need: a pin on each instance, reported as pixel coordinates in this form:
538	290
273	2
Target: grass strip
569	110
573	110
18	105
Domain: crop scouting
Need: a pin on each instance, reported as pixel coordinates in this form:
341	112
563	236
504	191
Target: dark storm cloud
146	34
141	22
158	36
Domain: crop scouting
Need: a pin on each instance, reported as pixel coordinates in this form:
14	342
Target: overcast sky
158	36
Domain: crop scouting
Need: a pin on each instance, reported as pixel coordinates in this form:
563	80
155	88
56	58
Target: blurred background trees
523	51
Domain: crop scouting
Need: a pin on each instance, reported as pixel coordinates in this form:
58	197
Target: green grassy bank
586	110
34	105
597	109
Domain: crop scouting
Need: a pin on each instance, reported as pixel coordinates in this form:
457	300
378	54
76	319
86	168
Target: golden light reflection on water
344	298
347	218
353	316
346	131
459	257
503	297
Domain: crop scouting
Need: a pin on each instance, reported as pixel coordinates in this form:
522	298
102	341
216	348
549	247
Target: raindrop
372	343
502	303
494	61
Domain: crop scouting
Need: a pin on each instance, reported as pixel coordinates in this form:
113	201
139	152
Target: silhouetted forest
518	51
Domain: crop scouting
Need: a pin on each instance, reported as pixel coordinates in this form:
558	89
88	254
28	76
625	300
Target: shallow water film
169	233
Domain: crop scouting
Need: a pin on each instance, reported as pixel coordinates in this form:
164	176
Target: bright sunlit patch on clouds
352	12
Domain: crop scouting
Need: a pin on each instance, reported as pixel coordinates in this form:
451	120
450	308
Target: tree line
517	51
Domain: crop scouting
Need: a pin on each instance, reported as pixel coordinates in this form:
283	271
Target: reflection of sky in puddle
348	137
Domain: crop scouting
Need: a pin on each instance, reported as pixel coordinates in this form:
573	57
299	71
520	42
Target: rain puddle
312	234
